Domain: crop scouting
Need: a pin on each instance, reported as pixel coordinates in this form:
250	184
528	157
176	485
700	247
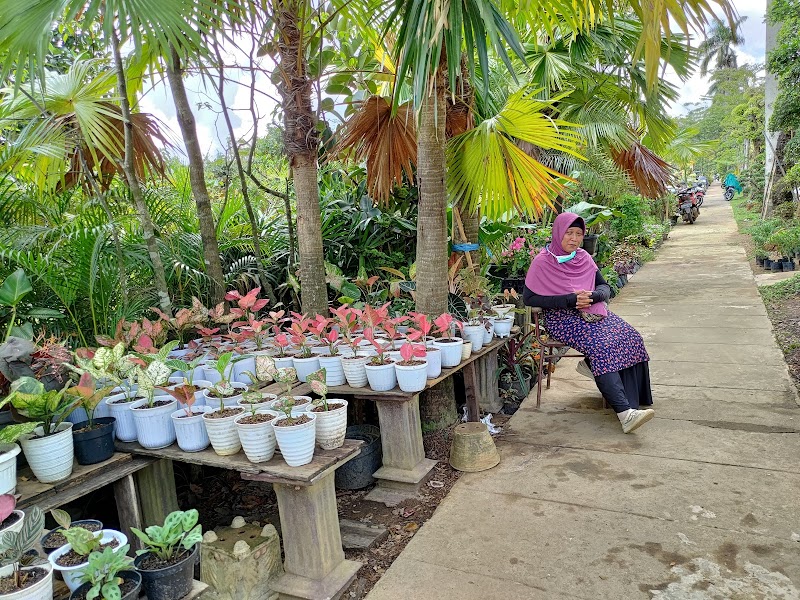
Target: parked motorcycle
688	207
699	194
730	191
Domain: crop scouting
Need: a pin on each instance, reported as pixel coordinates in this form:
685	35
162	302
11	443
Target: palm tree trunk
148	232
302	145
205	216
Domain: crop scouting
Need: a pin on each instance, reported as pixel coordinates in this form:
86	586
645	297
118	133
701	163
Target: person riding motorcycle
731	185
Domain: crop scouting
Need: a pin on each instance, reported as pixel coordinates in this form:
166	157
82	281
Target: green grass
782	290
744	218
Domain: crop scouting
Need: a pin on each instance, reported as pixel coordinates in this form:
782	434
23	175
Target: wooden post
157	495
487	390
128	509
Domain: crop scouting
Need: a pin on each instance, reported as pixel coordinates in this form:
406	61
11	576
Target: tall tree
719	45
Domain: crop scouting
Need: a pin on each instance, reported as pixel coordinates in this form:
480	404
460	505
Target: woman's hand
584	299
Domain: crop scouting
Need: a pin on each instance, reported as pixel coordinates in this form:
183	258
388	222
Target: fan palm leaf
650	173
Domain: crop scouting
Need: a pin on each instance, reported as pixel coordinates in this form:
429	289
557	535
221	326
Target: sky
212	131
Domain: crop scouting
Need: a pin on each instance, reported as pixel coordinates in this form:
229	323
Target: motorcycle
699	194
730	191
688	208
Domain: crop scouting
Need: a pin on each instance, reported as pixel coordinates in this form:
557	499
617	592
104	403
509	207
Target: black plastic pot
767	263
673	220
96	445
788	265
357	472
590	243
169	583
776	266
760	261
515	386
126	575
49	548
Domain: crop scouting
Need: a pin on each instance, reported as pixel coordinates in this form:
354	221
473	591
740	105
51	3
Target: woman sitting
564	281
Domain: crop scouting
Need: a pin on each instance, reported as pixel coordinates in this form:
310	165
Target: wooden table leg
157	495
128	509
486	386
404	464
314	560
471	392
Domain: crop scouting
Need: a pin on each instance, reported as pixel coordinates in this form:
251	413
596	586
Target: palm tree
719	45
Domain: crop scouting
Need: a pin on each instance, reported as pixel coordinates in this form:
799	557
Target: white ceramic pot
488	331
412	378
191	431
246	363
17	526
466	350
296	442
266	401
434	358
354	371
502	327
8	468
283	362
302	404
474	333
334	372
305	366
154	426
212	375
451	352
124	427
72	575
41	590
222	433
332	425
213	402
382	378
49	457
257	439
503	309
77	416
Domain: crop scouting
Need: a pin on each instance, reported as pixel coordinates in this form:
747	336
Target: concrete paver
699	504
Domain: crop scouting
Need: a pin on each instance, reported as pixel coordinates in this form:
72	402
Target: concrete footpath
701	503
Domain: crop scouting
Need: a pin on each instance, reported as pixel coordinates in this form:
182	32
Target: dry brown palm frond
388	144
650	173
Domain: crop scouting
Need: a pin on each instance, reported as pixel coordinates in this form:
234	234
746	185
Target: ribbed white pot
332	425
154	426
257	439
231	401
412	378
488	334
248	363
305	366
354	370
296	442
283	362
49	457
266	401
466	350
382	378
451	352
302	404
434	358
502	327
8	468
41	590
72	575
334	372
222	433
474	333
124	427
191	431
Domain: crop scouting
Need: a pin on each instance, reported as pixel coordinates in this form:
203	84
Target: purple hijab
548	277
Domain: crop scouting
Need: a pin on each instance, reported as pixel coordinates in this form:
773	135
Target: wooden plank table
315	566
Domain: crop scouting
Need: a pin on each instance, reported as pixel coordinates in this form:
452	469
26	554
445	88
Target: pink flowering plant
517	256
444	324
410	351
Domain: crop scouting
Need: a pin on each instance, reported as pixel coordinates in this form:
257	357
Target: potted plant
93	438
109	576
412	370
224	391
255	432
184	320
287	377
256	400
46	439
594	215
152	416
331	414
517	361
328	336
304	361
10	518
433	356
294	433
54	539
502	309
380	370
166	562
25	577
473	329
72	558
283	358
449	346
190	430
8	466
353	365
513	262
219	421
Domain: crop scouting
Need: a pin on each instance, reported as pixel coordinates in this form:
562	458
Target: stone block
241	562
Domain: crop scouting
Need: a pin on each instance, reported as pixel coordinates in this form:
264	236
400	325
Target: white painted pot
124	427
267	400
17	526
474	334
434	358
466	350
41	590
302	404
228	400
72	575
502	327
503	309
222	433
382	378
354	371
296	442
191	431
50	457
247	363
154	427
488	334
283	362
212	375
451	352
8	468
334	372
305	366
257	439
412	378
332	425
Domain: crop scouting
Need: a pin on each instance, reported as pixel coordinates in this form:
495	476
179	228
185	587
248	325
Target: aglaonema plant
316	381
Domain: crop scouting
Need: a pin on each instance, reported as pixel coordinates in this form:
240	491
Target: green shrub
634	209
